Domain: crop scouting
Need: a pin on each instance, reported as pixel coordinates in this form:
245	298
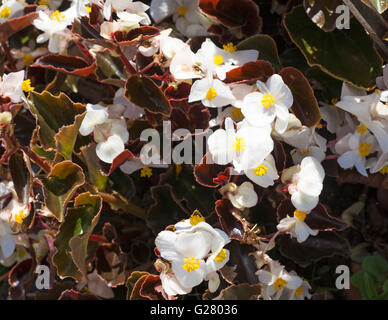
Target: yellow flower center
384	170
57	16
218	60
268	100
191	264
19	217
28	59
238	144
365	149
5	12
211	94
221	256
304	151
361	129
196	218
279	283
43	3
26	86
146	172
236	113
260	170
230	47
300	215
182	10
21	253
299	291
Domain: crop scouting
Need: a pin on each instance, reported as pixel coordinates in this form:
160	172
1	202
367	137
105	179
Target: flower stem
8	55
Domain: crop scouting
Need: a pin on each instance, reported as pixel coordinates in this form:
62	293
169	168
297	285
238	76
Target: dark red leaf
230	219
251	71
68	64
305	105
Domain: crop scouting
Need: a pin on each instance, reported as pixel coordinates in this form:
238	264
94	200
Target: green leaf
73	235
370	286
20	176
52	113
305	106
166	210
330	87
60	185
242	291
346	54
377	267
265	45
143	92
95	177
66	137
357	279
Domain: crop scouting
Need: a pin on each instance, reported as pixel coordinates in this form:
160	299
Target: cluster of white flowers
360	122
191	253
12	243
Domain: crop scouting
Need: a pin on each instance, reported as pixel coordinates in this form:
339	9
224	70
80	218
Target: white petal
7	243
165	242
110	149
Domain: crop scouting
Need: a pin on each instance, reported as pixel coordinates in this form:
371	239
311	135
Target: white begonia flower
54	26
136	7
359	146
169	46
170	283
219	61
307	141
132	111
276	280
302	292
185	65
187	18
296	226
7	241
211	92
245	148
186	252
108	150
26	56
126	22
307	184
241	197
11	86
370	112
10	9
265	173
109	128
193	242
186	15
95	115
272	102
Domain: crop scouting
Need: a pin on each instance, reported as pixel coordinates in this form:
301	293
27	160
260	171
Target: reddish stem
147	67
332	157
97	238
5	275
38	160
126	61
8	55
